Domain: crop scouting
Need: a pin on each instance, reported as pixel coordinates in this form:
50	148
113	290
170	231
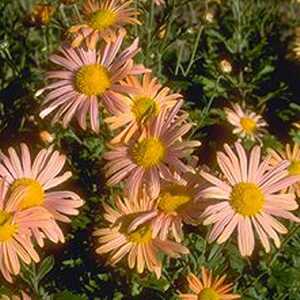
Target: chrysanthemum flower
41	14
208	288
15	226
102	18
140	107
247	124
159	2
176	204
138	244
87	79
37	179
293	156
249	199
158	152
23	296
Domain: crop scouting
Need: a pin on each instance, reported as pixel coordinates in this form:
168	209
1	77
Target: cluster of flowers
29	210
149	155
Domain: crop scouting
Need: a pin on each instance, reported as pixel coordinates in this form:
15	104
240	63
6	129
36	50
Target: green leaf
66	295
45	267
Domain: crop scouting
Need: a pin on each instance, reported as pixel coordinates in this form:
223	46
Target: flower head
159	2
176	204
246	123
87	79
34	180
293	156
15	231
157	152
101	21
208	288
249	199
41	14
140	107
138	243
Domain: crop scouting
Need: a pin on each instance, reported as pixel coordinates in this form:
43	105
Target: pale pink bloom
176	204
102	19
138	244
23	296
249	199
208	287
247	124
293	156
88	79
37	178
159	2
140	107
155	154
15	231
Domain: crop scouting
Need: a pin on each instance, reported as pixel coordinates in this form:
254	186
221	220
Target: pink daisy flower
208	287
293	156
148	100
138	245
15	226
249	199
87	79
247	124
176	204
159	2
102	18
156	154
36	179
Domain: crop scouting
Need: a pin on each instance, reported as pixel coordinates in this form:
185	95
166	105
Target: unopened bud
225	66
47	137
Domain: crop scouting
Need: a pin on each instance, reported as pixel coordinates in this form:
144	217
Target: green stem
178	61
64	17
149	31
195	48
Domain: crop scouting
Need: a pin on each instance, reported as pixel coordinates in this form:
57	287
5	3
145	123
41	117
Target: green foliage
67	295
185	49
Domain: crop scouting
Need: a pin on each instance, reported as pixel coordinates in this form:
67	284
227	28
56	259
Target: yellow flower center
141	235
247	199
208	294
294	168
33	192
148	153
102	19
7	229
173	198
92	80
248	124
144	108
